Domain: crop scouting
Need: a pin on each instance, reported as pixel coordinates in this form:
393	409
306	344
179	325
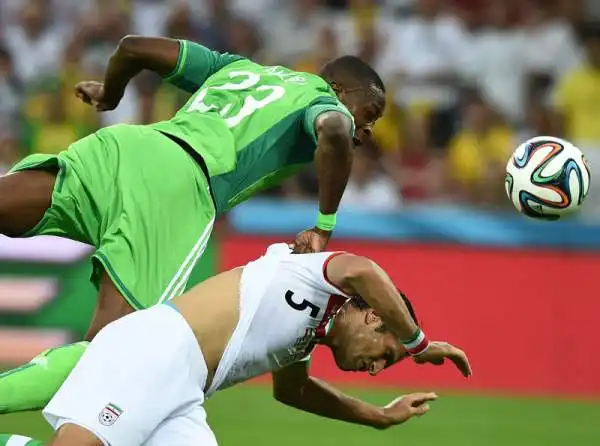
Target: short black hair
360	304
355	69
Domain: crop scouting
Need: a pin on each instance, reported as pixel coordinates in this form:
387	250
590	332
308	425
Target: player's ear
371	318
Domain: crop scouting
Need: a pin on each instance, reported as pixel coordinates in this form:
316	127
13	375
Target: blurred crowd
467	80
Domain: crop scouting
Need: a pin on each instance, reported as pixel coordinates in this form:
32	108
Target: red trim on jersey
333	305
327	260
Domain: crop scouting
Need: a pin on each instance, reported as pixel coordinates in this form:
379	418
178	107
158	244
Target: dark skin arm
294	387
333	161
133	54
359	276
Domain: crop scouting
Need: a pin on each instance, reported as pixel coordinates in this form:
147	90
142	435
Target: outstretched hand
438	352
404	408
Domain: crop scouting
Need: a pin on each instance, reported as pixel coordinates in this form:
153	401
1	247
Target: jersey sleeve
195	64
315	110
311	269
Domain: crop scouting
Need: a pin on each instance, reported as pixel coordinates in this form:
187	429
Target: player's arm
133	54
333	161
333	158
182	63
294	387
359	276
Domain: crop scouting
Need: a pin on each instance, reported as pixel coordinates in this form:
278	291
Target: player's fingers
419	410
82	95
300	249
461	361
417	399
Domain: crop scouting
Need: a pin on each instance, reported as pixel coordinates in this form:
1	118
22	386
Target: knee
74	435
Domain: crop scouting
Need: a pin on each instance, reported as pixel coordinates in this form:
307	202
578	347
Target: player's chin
346	368
343	365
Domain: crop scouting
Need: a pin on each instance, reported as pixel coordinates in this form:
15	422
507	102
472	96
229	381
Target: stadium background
466	79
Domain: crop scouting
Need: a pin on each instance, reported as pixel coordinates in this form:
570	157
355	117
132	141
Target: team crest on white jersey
109	415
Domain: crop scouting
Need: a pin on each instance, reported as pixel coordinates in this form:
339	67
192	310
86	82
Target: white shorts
141	381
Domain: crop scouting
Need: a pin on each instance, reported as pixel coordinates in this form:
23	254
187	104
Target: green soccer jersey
254	125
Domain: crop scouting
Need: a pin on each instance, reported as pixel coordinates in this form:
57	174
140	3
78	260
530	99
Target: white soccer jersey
286	304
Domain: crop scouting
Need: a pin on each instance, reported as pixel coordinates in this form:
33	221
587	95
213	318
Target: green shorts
140	199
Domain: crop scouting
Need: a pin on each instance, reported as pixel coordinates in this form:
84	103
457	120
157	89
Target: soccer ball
547	178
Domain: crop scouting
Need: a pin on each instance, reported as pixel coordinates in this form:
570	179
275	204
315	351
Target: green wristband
326	222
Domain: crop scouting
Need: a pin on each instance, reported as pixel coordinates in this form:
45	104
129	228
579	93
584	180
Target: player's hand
93	93
406	407
438	352
311	240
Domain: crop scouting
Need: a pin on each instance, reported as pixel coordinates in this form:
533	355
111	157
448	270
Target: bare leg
111	306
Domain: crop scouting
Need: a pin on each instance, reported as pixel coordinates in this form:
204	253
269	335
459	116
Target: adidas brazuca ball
547	178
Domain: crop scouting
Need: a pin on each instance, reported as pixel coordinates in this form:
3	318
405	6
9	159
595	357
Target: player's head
359	88
362	342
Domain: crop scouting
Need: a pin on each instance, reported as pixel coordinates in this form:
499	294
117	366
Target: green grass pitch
248	415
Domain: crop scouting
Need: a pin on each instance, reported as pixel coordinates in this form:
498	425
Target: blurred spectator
326	49
497	61
50	129
422	56
244	39
36	46
215	22
478	154
65	12
420	172
295	31
538	121
11	97
10	91
550	44
255	10
577	96
368	187
577	105
10	151
149	17
178	23
98	37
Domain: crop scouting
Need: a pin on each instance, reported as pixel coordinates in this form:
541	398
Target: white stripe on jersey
18	440
182	275
183	282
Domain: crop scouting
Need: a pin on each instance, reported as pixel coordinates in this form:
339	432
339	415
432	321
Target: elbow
130	45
